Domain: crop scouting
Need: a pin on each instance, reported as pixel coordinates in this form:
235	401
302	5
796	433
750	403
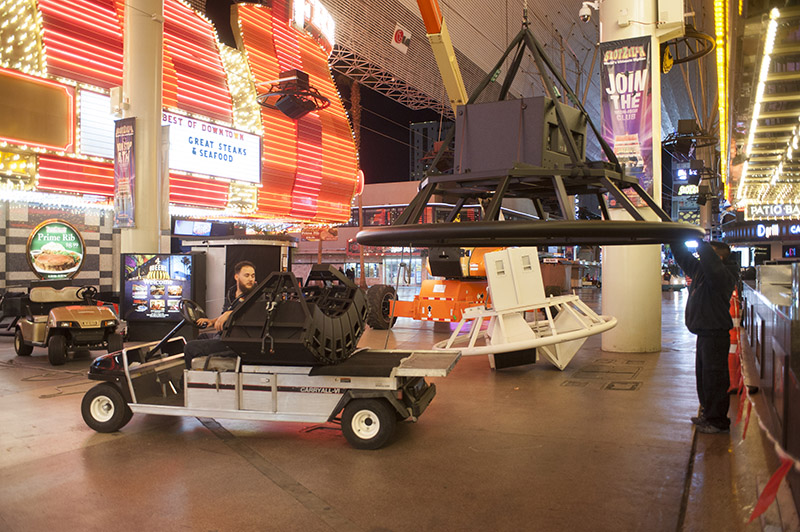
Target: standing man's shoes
707	428
697	420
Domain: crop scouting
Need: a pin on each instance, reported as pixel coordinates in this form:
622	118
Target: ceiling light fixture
769	43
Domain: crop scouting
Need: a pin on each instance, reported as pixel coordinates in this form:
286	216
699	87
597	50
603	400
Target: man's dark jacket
708	308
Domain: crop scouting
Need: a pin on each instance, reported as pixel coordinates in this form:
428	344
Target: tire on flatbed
379	300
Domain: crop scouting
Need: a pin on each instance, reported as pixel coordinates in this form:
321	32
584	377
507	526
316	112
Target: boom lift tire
57	349
368	423
380	298
20	347
104	409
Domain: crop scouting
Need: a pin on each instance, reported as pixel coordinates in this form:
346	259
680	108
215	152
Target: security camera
585	13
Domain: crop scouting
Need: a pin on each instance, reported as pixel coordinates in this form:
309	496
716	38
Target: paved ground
605	445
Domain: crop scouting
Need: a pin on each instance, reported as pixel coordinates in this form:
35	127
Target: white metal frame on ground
515	284
552	336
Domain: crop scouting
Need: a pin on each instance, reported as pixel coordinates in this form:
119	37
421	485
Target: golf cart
65	320
296	361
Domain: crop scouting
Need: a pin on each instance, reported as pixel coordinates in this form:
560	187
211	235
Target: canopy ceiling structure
481	30
767	108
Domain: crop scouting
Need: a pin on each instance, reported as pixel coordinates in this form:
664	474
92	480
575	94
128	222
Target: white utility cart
371	389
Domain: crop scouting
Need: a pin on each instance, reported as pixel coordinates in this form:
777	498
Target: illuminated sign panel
309	165
777	211
767	231
36	112
210	149
55	250
311	16
688	190
96	125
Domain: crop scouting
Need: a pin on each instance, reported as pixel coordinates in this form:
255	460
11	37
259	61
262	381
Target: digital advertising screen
192	228
153	285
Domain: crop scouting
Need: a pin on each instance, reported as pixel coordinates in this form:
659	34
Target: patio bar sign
777	211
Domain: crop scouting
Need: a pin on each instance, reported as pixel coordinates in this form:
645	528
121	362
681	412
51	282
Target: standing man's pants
713	379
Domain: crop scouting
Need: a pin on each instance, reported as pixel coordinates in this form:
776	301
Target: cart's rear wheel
380	299
57	349
104	409
22	349
115	343
368	423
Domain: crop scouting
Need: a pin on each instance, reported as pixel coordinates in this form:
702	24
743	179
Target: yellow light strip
721	34
769	42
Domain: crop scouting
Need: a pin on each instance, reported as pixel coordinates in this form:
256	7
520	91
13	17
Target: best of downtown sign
204	148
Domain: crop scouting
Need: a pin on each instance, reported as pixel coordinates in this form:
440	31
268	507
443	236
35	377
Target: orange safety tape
747	419
788	461
742	396
771	489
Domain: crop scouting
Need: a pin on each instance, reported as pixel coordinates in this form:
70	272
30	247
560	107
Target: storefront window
407	272
371	270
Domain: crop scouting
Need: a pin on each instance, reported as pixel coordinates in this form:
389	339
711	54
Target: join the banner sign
626	106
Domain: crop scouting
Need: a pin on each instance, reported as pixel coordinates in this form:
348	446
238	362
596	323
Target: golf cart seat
48	294
43	299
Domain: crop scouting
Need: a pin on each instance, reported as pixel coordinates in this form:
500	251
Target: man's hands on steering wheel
193	313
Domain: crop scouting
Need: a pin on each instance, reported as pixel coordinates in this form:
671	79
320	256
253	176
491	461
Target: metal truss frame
349	64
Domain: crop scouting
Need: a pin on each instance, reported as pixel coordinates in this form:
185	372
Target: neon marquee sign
311	15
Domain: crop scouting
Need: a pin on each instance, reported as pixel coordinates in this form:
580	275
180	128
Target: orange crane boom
443	51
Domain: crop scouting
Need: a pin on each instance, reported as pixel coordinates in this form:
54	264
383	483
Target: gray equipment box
496	135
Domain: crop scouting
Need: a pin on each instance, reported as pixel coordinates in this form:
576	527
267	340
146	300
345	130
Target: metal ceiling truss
349	64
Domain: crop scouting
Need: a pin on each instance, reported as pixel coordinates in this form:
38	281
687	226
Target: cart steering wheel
191	311
88	293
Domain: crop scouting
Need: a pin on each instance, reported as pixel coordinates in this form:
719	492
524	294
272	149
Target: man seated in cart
210	343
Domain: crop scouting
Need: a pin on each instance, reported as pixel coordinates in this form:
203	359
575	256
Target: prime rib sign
55	250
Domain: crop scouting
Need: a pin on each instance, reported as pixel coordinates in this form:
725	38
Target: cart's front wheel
104	409
368	423
57	349
22	349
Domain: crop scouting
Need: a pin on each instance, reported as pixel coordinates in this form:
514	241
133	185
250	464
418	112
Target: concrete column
141	87
631	275
632	293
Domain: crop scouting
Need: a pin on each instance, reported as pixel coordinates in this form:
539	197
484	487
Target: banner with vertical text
124	173
627	101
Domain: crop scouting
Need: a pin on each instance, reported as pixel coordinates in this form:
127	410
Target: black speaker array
445	262
283	323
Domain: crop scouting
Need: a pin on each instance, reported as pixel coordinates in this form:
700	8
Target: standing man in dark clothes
708	316
210	344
